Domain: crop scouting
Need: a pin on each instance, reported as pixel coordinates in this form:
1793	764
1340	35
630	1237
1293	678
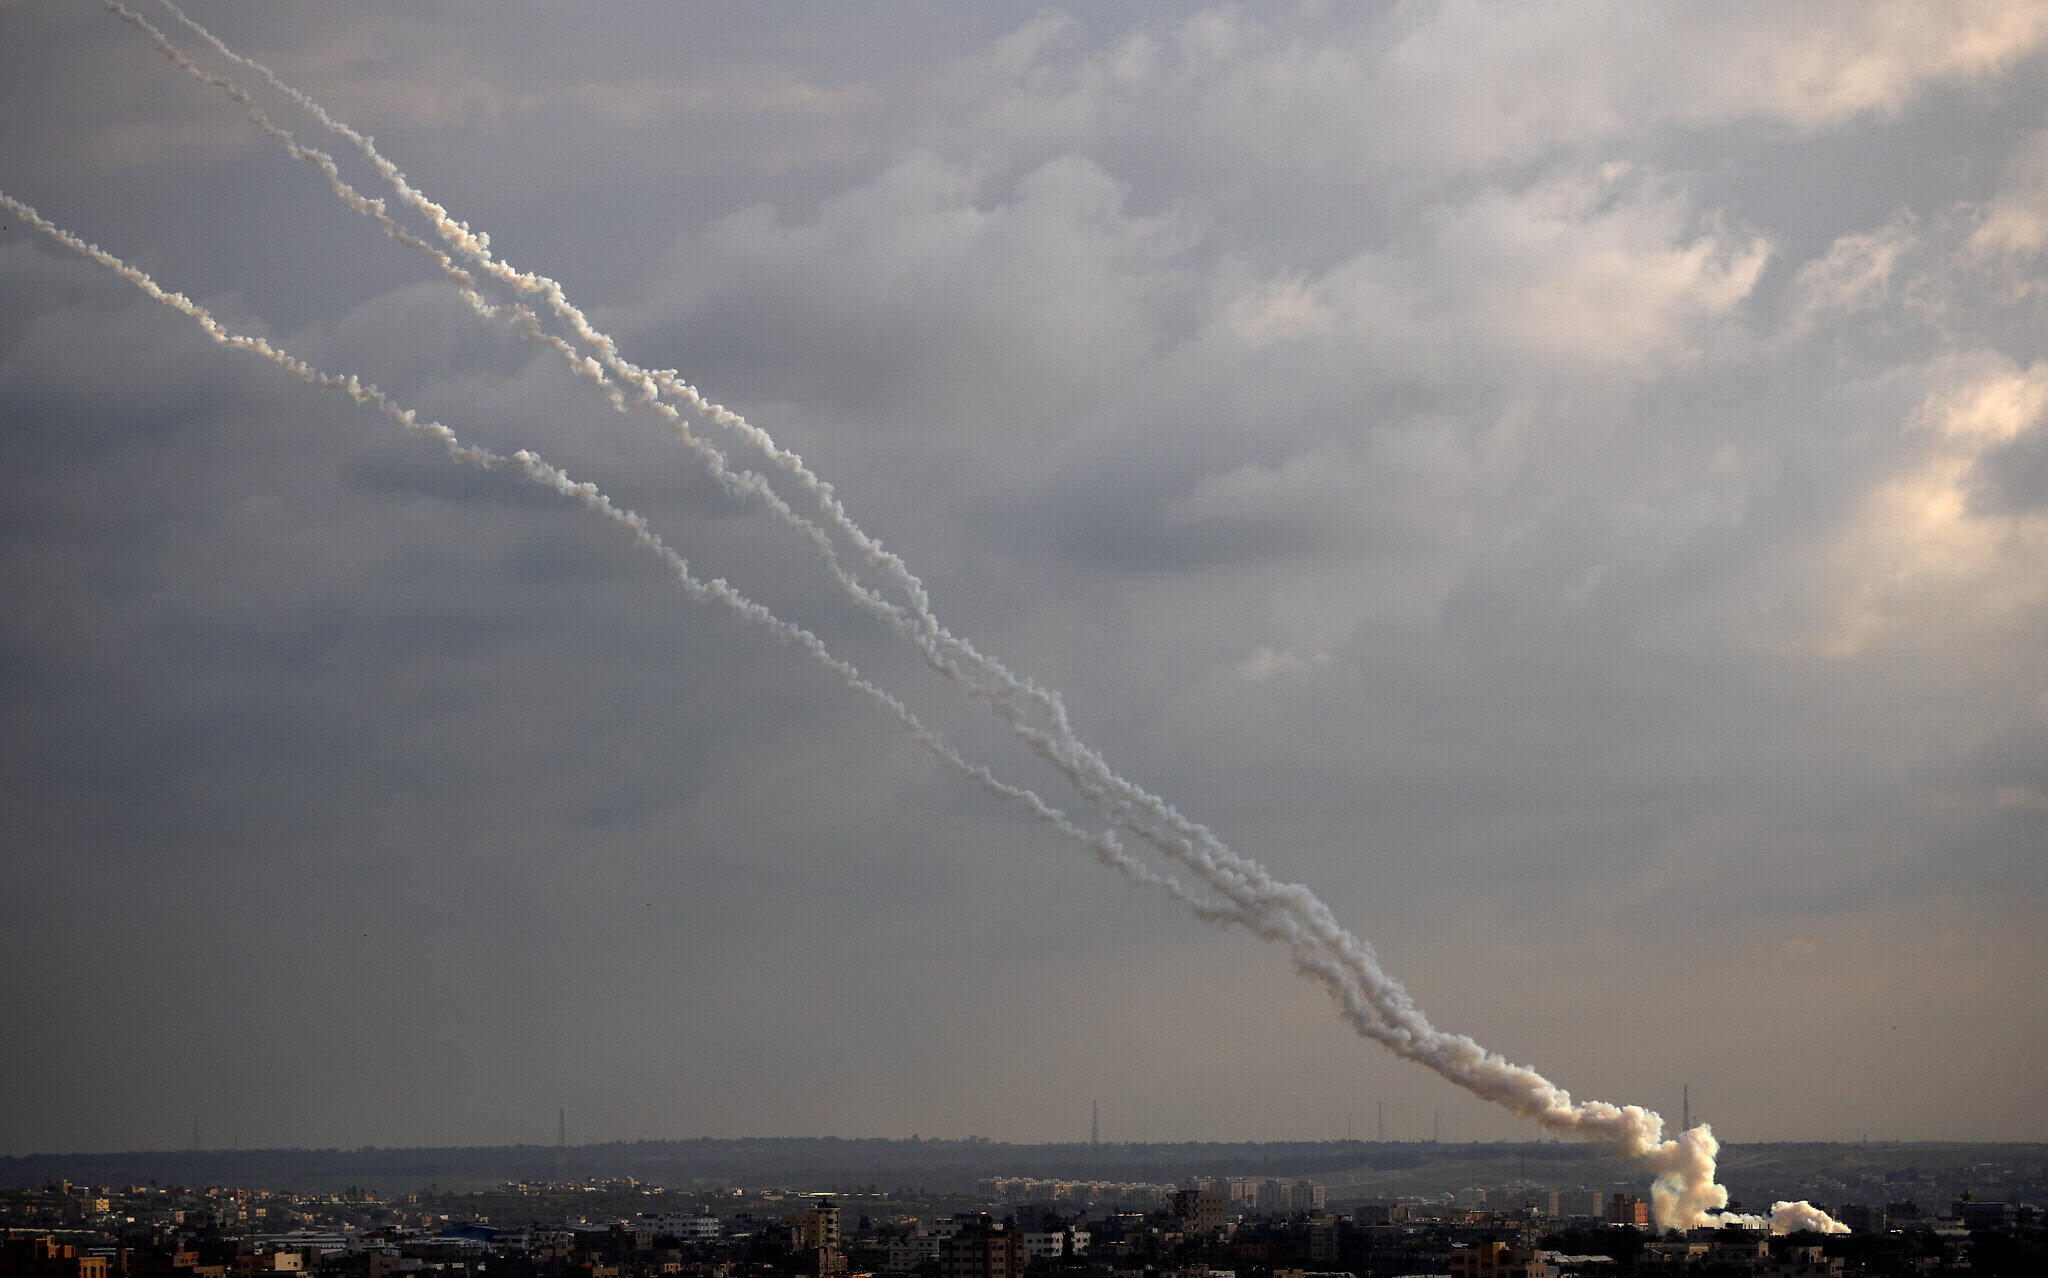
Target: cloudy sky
1569	482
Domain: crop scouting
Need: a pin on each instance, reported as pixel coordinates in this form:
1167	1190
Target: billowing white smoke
1789	1218
1785	1218
1683	1194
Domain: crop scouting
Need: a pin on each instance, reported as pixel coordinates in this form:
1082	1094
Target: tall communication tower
562	1147
1685	1109
1382	1121
1095	1122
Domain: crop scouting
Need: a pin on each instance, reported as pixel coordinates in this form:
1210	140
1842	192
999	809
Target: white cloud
1602	272
1455	85
1919	563
2016	220
1304	488
935	268
1855	276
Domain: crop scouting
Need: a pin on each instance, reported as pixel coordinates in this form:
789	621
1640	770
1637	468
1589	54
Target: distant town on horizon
784	1209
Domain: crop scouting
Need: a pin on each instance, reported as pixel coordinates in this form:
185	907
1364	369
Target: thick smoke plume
1684	1192
1788	1218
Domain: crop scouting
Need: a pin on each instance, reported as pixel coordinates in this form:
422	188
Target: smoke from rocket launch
1224	885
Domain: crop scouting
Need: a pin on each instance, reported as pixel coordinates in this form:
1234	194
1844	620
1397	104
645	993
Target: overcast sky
1569	482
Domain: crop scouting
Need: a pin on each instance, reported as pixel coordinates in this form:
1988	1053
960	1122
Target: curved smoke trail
1374	1002
1105	845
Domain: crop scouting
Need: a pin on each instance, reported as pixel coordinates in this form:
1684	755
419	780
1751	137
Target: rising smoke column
1376	1004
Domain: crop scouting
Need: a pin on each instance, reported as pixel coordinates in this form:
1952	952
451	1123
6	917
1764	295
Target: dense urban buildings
1007	1227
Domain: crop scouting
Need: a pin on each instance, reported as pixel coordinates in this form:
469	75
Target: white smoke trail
940	648
1104	846
742	483
955	657
651	383
739	483
1376	1004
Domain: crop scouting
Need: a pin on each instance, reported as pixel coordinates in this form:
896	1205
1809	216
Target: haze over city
1568	484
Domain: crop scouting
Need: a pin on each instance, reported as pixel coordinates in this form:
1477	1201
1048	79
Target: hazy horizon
1348	1170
